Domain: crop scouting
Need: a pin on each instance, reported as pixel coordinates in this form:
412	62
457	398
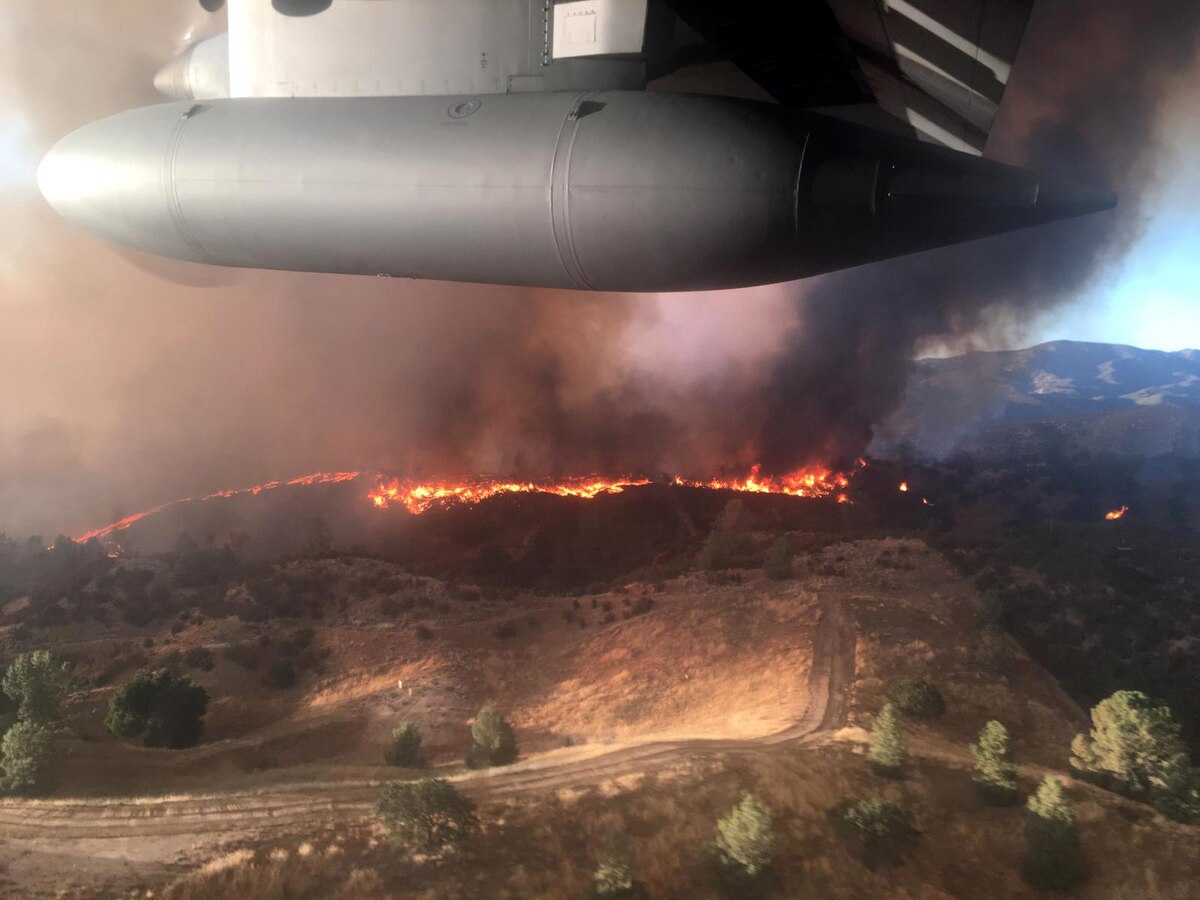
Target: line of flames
122	524
419	496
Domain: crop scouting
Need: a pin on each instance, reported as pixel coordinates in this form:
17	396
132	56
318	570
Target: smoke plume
126	382
1084	105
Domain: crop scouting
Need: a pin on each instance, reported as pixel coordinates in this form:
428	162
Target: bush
280	674
427	815
995	774
165	710
23	753
916	699
244	655
745	842
725	542
199	658
888	751
613	877
778	564
38	683
493	742
1053	855
872	822
405	750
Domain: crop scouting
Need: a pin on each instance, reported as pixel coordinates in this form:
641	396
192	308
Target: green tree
871	821
428	814
778	564
23	753
916	699
165	710
1053	855
995	773
1133	741
406	748
745	841
613	877
493	742
724	541
888	751
38	683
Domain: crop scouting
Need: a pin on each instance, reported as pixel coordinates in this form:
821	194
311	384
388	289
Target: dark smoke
123	388
1090	80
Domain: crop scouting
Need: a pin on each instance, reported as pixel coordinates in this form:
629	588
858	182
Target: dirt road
127	835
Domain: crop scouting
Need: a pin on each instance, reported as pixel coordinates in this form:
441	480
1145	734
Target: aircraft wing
930	69
936	68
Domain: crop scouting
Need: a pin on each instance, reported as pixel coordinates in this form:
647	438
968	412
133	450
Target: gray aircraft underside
514	142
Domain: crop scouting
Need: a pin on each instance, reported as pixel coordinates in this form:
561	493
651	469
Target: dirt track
125	835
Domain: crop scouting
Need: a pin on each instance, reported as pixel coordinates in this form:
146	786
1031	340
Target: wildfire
122	524
417	497
1113	514
904	487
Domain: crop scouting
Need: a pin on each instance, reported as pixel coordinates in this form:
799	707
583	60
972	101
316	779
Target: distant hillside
1097	397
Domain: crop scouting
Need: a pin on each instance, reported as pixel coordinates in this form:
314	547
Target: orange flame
122	524
417	497
904	487
1116	513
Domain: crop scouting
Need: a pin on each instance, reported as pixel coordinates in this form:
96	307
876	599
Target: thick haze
120	389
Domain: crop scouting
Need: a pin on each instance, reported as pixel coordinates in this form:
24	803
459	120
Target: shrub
405	750
38	683
871	822
493	742
424	633
778	564
888	751
505	631
724	542
245	654
995	774
640	607
916	699
613	877
1053	856
199	658
745	841
165	710
428	814
280	674
23	753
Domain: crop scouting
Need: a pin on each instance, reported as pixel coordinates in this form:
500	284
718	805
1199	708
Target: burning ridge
419	496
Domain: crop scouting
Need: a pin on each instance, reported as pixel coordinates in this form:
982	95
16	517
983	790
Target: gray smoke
1084	104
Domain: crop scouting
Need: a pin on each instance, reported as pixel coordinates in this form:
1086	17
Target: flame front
417	497
1116	513
304	480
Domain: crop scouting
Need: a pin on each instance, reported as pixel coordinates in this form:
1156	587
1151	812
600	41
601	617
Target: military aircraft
582	144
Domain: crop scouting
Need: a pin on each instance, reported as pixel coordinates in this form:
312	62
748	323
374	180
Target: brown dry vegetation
728	660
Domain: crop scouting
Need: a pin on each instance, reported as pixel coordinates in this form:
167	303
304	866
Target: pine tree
888	751
1135	747
406	748
23	753
995	773
613	877
493	742
38	683
1053	855
745	842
